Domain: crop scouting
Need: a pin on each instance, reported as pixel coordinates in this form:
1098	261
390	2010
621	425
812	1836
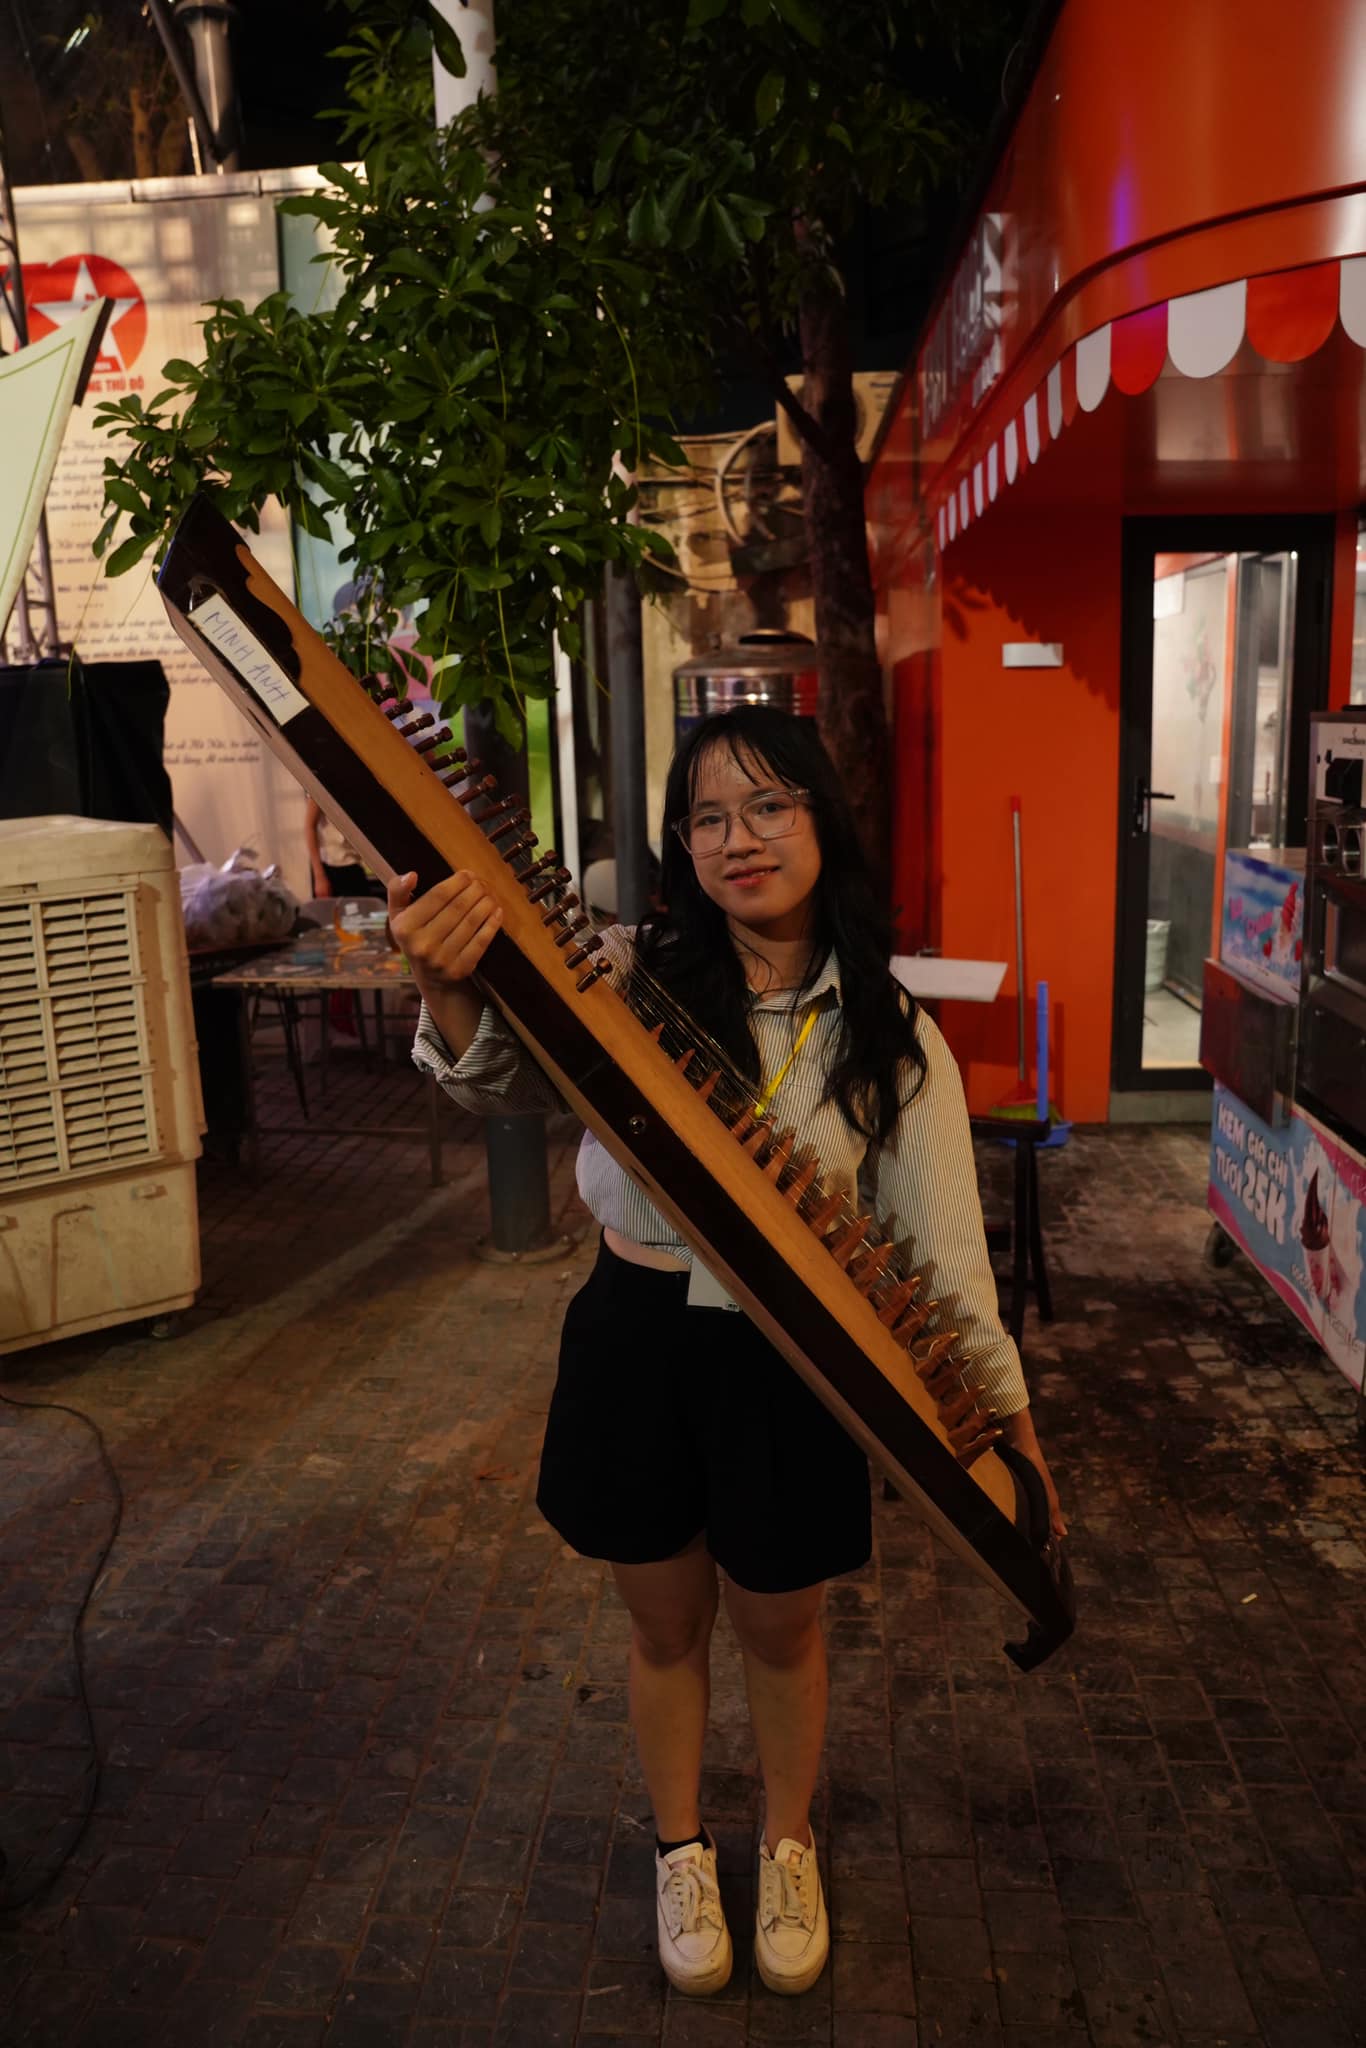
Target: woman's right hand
444	933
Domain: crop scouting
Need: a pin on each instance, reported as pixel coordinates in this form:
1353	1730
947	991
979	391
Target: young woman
679	1443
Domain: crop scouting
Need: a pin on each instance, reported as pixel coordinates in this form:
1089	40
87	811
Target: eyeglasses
769	816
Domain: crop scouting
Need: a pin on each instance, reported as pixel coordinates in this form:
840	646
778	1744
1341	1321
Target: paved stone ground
367	1776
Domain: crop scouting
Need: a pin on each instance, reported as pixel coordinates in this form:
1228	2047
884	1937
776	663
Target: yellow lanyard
762	1106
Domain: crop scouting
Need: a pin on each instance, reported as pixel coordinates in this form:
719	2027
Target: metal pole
31	647
626	681
209	24
204	143
519	1176
514	1146
472	21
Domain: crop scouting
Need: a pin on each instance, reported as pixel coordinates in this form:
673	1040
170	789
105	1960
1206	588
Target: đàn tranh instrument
822	1283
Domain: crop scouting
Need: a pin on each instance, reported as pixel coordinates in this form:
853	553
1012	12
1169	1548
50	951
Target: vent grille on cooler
18	959
28	1139
23	1042
75	1080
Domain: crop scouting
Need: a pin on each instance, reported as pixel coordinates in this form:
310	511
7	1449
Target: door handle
1144	799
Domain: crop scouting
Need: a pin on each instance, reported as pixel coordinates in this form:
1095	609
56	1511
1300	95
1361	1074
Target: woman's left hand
1019	1431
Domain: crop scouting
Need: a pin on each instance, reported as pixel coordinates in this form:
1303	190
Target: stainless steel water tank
768	666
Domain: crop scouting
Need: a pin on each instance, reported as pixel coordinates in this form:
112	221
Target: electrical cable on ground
12	1900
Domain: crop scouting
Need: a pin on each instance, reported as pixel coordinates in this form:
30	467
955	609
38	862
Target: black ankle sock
667	1848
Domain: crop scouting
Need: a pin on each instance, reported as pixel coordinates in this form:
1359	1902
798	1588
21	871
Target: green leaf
415	264
728	237
607	156
446	42
130	552
700	12
121	493
797	14
839	133
312	518
687	235
768	100
180	372
332	477
646	223
345	179
491	525
673	198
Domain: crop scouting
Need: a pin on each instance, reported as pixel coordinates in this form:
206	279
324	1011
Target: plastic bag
236	905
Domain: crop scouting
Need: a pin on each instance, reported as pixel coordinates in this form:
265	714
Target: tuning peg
516	818
868	1268
781	1153
803	1178
825	1212
486	786
847	1241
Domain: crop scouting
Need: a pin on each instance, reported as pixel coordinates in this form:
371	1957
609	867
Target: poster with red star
160	258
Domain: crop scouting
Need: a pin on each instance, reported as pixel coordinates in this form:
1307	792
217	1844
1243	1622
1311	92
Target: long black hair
687	945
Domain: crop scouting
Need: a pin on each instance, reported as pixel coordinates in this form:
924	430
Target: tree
530	296
733	145
125	114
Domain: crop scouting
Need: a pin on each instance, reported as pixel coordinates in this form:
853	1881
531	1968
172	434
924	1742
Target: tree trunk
140	119
853	718
173	146
87	158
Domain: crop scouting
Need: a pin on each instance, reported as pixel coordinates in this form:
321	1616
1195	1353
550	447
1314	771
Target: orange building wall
1052	736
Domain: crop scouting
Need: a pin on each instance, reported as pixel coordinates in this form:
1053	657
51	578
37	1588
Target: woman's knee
672	1606
779	1629
673	1636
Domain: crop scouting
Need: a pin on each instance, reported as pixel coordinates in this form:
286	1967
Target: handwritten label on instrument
248	659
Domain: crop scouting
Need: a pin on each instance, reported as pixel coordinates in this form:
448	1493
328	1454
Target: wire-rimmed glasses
768	816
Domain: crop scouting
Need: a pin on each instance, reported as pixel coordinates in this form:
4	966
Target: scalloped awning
1285	316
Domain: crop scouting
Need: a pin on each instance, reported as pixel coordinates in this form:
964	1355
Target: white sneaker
694	1940
792	1928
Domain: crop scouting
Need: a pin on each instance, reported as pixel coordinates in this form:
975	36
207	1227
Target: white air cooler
100	1115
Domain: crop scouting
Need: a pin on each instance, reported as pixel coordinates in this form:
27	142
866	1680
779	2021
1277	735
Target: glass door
1225	655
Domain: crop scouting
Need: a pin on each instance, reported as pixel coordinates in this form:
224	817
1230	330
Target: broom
1025	1101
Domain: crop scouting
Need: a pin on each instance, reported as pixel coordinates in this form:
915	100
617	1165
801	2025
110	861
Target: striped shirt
922	1181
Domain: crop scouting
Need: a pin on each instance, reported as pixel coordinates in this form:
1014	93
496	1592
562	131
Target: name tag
705	1290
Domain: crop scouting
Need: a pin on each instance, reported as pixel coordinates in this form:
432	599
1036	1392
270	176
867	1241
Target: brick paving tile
368	1779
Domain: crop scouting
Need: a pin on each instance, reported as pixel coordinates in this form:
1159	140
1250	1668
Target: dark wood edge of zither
206	556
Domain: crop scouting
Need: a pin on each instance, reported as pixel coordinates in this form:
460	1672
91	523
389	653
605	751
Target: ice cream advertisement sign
1262	935
1295	1200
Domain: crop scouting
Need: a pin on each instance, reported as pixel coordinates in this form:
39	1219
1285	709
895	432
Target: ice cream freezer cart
1283	1032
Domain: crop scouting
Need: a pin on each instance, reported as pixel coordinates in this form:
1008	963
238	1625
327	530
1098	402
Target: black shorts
670	1422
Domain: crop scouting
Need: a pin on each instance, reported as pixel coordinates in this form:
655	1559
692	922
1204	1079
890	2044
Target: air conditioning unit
872	389
100	1116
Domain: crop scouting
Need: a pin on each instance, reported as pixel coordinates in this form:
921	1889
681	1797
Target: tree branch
805	424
